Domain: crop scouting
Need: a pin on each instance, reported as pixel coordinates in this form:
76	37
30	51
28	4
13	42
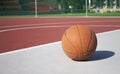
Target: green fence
60	7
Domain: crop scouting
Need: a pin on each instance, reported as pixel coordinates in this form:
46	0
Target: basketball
79	42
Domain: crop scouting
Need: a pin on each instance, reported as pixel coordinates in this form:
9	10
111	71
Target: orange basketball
79	42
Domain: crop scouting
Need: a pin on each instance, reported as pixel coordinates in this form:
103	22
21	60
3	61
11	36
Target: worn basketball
79	42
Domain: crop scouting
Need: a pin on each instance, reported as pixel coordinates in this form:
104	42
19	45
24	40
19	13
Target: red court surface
18	33
50	58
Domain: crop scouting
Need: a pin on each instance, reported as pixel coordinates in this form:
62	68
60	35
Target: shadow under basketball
101	54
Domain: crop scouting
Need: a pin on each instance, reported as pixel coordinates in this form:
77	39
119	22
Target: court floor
17	33
33	46
50	58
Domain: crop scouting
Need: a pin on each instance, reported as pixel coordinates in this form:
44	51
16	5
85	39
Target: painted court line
26	49
14	29
22	25
43	45
36	27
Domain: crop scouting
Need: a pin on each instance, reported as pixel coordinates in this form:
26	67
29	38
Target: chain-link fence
62	7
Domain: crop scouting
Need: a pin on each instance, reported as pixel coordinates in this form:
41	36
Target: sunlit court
59	37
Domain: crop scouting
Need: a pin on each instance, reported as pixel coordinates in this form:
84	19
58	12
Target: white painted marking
26	49
23	28
48	44
51	59
22	25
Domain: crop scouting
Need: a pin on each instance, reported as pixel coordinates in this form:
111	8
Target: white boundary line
22	25
26	49
43	45
37	27
24	28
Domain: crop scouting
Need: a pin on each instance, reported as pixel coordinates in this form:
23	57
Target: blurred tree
23	2
63	5
77	5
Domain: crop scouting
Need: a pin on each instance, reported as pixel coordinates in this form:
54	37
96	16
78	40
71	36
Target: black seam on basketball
94	47
70	42
90	39
95	42
88	47
78	53
80	39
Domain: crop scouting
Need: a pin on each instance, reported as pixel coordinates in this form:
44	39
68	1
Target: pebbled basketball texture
79	42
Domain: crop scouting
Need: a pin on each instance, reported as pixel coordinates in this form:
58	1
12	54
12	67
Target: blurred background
60	7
